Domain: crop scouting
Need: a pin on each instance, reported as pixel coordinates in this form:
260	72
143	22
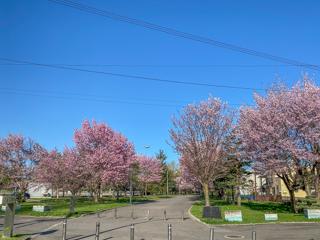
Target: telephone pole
167	181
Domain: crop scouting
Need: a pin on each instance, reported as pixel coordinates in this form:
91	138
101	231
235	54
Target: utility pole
130	182
167	181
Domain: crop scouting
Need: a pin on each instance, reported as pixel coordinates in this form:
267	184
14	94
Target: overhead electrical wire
163	65
101	99
182	34
154	79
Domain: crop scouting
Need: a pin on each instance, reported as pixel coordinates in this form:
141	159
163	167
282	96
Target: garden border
242	224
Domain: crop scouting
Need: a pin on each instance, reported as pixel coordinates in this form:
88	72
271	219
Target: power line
87	99
154	79
164	65
86	95
95	98
181	34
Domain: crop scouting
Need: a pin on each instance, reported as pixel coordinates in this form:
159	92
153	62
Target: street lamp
167	181
130	183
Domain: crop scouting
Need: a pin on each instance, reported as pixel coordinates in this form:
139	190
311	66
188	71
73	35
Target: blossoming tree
18	157
198	135
149	171
281	134
51	172
108	155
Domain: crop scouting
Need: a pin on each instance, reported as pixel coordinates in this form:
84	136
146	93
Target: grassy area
60	207
15	237
252	212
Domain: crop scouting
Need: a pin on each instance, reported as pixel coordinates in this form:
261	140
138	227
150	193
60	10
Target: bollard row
211	236
132	232
64	229
97	231
115	213
254	235
169	232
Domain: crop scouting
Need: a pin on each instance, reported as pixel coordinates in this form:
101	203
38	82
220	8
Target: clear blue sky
44	32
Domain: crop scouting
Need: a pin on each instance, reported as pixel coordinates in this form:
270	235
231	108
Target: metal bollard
148	215
115	213
254	235
211	233
64	229
165	214
132	213
97	231
132	232
169	232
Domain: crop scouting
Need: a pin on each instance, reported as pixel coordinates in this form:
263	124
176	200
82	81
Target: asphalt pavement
151	222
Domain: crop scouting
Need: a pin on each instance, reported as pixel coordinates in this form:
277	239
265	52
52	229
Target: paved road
156	228
31	225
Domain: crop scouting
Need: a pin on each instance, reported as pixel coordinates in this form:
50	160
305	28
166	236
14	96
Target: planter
271	217
39	208
211	212
233	216
312	213
3	208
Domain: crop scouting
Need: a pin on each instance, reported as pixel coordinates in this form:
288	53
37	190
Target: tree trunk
206	194
96	197
72	203
238	196
57	193
145	189
286	181
317	187
293	201
317	181
118	194
232	195
307	189
306	183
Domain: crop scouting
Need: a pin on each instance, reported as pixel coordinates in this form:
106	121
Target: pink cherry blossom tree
149	171
185	181
108	155
50	171
304	118
75	174
199	134
280	134
17	159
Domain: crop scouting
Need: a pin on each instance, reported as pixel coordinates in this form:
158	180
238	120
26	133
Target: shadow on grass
268	206
252	205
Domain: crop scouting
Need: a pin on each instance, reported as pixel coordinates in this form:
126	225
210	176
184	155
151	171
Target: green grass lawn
60	207
252	212
15	237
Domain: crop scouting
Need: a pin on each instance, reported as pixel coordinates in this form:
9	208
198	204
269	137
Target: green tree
163	183
238	169
167	184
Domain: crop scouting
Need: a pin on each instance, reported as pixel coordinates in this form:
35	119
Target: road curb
194	218
242	224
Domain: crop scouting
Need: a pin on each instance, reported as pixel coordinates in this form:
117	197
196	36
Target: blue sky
49	104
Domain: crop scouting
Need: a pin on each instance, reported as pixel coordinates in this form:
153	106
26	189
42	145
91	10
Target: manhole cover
234	236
